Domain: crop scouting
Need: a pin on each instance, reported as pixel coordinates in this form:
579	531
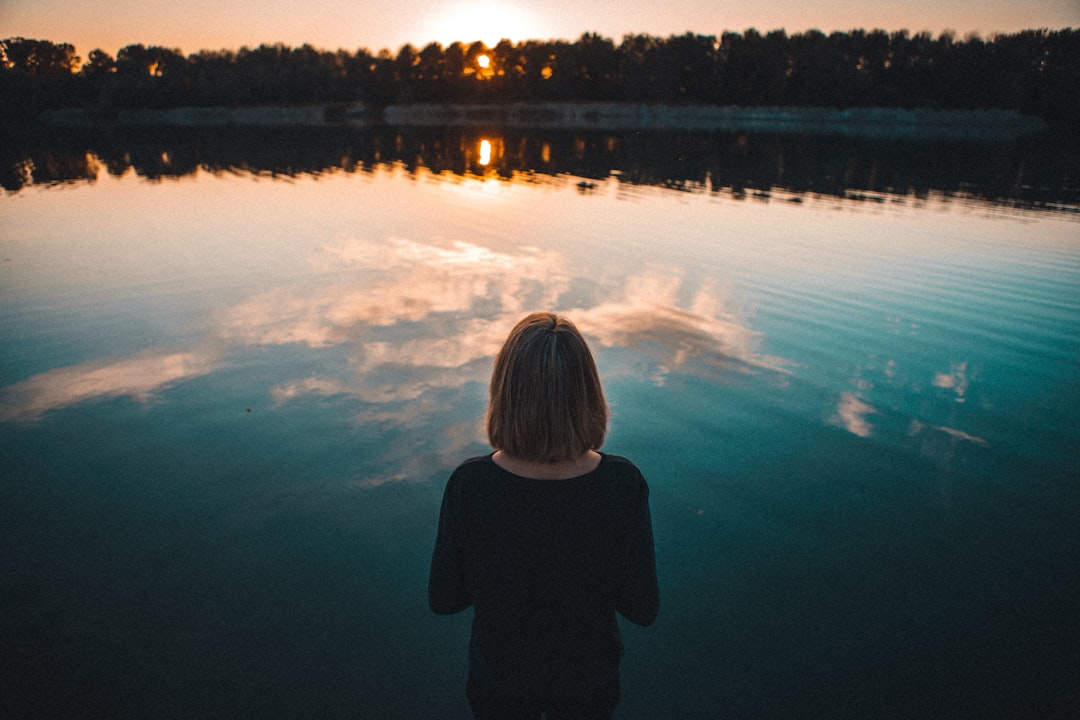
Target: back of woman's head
547	404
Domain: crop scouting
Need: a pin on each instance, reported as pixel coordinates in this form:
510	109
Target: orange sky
349	24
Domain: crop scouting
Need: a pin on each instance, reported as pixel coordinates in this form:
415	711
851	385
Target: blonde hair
547	404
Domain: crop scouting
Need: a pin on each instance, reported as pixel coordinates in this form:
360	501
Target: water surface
230	396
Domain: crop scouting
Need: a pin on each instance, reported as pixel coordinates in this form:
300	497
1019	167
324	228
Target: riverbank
869	122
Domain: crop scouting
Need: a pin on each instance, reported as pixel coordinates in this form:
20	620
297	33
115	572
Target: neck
562	470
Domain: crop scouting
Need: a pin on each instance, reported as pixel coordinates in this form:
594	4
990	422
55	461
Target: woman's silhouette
546	538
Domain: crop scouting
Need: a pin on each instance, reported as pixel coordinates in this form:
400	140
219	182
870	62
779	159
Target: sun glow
488	22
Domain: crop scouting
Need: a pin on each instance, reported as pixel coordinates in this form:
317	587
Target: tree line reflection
1030	173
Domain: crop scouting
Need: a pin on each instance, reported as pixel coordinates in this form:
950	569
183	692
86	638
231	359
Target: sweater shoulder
622	468
471	471
479	465
623	463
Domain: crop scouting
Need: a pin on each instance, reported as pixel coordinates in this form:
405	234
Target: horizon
959	37
332	25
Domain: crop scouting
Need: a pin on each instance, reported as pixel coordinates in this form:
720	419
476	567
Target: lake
239	366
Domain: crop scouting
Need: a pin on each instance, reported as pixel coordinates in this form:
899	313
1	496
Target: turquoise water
228	403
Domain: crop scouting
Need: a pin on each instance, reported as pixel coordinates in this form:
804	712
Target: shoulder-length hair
547	404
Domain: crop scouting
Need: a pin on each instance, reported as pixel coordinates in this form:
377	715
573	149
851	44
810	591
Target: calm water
231	390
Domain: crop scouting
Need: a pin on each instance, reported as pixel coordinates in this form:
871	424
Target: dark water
235	374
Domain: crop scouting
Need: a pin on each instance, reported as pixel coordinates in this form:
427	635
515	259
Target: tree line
1036	72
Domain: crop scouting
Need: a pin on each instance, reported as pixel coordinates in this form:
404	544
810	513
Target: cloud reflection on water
955	381
401	328
851	414
416	319
365	284
938	441
648	319
140	376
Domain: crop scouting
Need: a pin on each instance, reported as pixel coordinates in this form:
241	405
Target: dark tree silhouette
1033	71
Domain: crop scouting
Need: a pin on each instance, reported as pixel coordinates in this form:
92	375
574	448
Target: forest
1035	72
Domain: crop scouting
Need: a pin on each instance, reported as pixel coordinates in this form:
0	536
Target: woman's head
546	401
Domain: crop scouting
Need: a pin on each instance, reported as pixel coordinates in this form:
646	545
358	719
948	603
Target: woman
546	538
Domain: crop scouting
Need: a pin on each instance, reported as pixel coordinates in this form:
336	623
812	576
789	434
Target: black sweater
545	564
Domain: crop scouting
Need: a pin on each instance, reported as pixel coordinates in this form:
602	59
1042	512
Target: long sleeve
639	592
447	588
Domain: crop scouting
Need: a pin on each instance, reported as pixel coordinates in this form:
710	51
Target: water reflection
940	443
872	414
648	319
955	381
394	281
140	377
1030	173
414	319
852	414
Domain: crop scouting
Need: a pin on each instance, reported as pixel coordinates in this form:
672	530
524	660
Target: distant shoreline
865	122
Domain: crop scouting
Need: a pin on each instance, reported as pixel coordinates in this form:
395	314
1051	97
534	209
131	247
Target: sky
196	25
